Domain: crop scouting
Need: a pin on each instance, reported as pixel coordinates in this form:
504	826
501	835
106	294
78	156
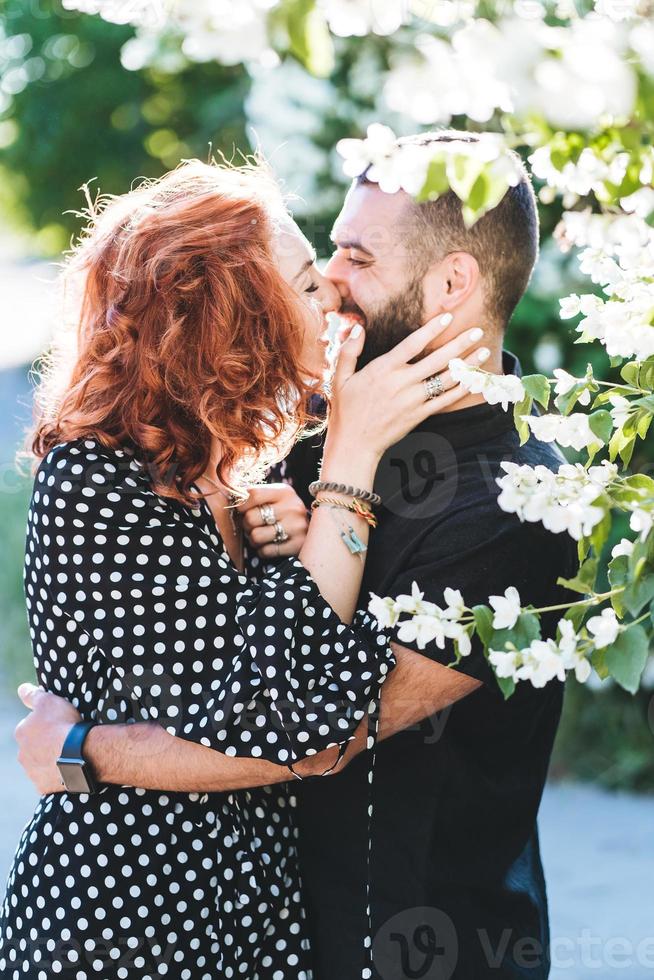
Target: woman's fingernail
483	354
356	330
476	334
446	319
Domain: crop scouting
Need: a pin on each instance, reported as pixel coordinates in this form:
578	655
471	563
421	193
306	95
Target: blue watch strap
72	747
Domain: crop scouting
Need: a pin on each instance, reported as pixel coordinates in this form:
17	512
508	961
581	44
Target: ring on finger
280	533
267	512
434	386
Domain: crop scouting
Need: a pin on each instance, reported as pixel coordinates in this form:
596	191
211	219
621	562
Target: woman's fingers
439	359
346	363
415	343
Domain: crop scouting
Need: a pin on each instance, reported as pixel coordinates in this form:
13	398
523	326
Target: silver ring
267	514
434	386
280	533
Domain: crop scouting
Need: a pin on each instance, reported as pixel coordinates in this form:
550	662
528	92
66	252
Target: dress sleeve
264	670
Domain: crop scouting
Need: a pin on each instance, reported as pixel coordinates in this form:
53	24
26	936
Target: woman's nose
331	297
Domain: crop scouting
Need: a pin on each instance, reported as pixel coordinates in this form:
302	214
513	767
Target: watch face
75	777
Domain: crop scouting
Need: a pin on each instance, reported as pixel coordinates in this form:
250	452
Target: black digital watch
75	771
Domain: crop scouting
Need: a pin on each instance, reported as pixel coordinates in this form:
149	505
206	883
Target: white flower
620	411
623	547
415	604
571	656
496	388
422	629
641	521
563	501
570	306
455	606
541	663
507	608
565	382
604	628
505	663
461	637
383	610
379	144
356	18
568	430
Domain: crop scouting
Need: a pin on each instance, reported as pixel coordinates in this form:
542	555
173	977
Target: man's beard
389	325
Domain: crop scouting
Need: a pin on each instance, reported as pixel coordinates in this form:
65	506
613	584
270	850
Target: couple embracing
241	773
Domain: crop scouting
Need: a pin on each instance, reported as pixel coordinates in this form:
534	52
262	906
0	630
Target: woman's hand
41	736
374	408
279	503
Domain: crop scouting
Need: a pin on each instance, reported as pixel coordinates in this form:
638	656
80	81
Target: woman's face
318	296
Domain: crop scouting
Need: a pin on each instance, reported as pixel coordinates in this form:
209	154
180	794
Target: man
453	874
456	882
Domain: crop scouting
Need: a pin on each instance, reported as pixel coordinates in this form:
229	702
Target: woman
197	351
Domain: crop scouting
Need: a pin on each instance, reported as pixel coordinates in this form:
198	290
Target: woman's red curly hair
186	330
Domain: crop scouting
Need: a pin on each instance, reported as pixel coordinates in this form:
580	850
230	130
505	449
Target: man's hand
280	502
41	735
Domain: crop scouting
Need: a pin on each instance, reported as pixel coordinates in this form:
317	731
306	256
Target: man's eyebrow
350	243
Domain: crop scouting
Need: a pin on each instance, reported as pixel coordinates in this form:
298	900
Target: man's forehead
369	219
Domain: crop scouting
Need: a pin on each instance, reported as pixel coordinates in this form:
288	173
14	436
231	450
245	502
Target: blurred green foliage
78	115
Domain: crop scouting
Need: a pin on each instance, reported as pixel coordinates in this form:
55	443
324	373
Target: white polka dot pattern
136	613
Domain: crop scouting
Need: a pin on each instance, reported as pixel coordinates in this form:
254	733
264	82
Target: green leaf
526	629
598	660
436	182
629	373
483	623
601	425
626	658
538	386
584	580
309	37
519	409
600	533
506	686
637	594
576	615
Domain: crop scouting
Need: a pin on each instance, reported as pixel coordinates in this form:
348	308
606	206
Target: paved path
598	850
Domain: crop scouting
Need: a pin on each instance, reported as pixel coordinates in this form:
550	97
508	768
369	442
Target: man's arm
144	754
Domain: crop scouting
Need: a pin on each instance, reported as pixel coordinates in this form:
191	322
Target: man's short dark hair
504	241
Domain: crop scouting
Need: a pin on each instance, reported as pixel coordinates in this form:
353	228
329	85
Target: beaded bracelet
355	506
368	495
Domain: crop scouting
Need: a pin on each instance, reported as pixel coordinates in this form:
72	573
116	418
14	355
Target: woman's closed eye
313	288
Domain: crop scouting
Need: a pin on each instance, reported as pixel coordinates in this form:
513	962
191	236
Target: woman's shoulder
89	473
81	457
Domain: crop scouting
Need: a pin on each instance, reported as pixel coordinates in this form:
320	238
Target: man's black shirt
457	887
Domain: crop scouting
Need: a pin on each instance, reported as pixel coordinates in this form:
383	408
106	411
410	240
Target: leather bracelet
368	495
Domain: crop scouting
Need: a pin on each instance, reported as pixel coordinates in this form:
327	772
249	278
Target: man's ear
450	282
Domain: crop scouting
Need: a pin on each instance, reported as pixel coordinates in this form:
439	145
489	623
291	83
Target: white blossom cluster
572	76
497	389
620	258
428	622
563	500
396	165
538	663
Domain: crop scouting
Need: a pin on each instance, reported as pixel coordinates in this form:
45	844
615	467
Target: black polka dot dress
137	613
